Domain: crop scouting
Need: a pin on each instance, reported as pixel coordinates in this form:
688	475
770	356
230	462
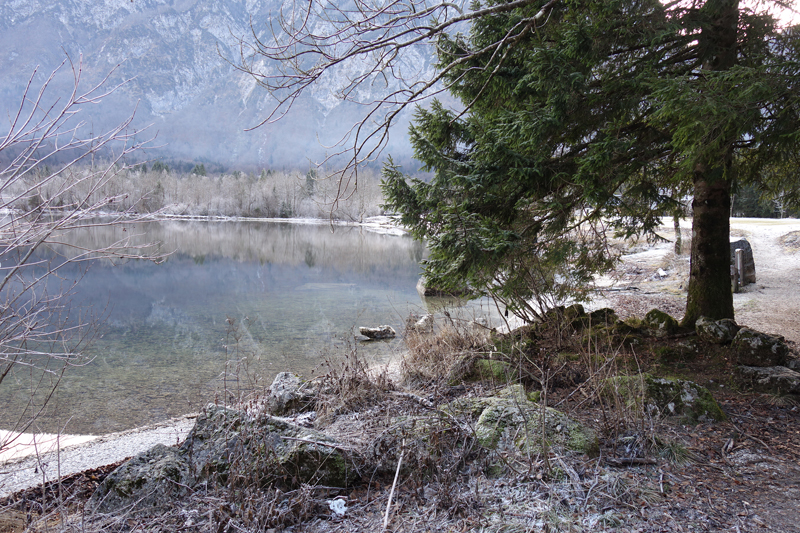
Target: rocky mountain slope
177	55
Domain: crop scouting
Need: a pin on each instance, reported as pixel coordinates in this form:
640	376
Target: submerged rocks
380	332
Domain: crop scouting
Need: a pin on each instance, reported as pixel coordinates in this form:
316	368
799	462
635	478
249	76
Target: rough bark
709	292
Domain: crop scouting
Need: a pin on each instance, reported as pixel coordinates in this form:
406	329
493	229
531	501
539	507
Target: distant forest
198	192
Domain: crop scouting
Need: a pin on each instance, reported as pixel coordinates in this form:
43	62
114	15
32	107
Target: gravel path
31	471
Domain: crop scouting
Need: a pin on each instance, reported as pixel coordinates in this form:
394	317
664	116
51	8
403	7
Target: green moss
665	396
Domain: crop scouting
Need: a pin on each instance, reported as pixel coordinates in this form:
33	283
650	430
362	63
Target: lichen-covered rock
665	397
771	379
380	332
289	393
225	446
661	323
716	331
532	427
753	348
151	481
603	317
276	451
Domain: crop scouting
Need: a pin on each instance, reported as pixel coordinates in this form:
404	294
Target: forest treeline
268	194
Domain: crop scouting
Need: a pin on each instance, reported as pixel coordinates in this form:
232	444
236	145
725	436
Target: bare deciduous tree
357	45
50	175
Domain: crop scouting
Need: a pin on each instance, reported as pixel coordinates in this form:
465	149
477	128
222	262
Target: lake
233	298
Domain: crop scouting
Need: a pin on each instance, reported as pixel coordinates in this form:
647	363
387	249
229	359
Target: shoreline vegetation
269	195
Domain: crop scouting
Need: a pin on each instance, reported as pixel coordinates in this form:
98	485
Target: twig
418	399
394	484
629	461
328	444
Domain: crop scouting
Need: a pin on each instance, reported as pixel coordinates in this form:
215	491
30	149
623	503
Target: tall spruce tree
584	115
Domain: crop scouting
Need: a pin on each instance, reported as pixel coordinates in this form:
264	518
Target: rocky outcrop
665	397
225	442
379	332
753	348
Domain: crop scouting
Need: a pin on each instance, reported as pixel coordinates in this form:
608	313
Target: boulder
257	450
665	397
753	348
749	261
533	427
148	483
420	324
716	331
426	290
660	323
603	317
289	393
380	332
771	379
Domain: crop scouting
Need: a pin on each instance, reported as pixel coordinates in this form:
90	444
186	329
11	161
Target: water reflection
277	296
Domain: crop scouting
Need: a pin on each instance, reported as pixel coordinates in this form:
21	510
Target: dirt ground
741	475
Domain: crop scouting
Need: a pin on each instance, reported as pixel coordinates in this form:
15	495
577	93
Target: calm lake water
277	296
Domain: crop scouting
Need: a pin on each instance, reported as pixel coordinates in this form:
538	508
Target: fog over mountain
175	51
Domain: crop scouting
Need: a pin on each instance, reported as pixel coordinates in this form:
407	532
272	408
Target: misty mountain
174	53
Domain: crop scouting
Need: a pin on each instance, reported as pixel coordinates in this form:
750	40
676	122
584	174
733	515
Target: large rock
753	348
147	484
660	323
716	331
749	261
226	446
379	332
665	397
289	393
771	379
533	428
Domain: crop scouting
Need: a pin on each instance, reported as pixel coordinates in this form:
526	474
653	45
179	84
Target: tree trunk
709	280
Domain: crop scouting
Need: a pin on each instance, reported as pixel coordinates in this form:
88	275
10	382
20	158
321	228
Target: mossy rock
660	323
533	428
665	397
489	370
603	317
152	480
716	331
753	348
264	447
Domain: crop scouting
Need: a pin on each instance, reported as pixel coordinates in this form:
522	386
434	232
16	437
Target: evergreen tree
587	113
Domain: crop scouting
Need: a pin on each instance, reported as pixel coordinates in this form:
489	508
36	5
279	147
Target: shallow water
242	299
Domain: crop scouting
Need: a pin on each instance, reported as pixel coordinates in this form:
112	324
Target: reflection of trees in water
343	248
